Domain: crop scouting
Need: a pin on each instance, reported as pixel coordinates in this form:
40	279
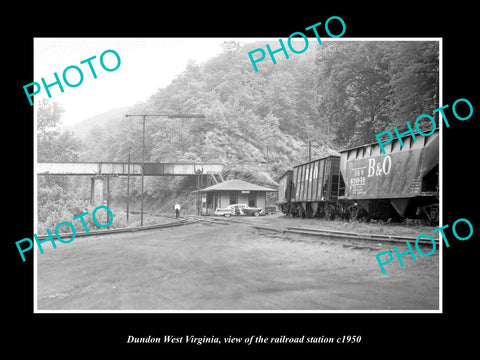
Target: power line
169	116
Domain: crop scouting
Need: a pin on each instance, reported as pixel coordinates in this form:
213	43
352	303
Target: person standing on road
177	210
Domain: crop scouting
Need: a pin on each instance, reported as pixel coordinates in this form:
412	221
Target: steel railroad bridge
100	172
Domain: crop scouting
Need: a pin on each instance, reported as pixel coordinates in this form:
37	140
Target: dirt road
208	266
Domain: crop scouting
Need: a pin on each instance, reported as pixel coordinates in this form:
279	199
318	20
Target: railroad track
353	235
183	221
328	233
321	232
284	230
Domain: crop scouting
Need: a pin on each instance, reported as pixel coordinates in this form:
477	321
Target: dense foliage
258	124
56	196
336	96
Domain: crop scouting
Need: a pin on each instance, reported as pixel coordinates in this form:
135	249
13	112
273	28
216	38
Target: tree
367	87
415	80
354	87
57	201
53	145
48	115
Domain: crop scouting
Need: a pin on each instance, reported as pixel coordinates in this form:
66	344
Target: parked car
252	211
270	210
224	212
238	209
234	209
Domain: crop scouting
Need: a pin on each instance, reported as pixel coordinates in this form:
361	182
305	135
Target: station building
233	192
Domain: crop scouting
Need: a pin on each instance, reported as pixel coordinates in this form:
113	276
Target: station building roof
236	185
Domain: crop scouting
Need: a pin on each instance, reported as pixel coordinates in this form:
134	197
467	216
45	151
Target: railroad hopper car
311	189
363	183
402	183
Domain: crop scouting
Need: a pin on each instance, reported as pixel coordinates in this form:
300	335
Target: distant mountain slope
82	128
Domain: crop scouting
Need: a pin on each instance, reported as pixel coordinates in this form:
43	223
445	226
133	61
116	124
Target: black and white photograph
298	179
233	187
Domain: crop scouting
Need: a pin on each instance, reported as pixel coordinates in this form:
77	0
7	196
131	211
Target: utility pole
170	116
128	187
267	160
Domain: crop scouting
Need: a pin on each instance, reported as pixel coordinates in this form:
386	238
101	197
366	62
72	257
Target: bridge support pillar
96	190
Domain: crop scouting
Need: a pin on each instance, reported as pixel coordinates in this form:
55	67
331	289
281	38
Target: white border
440	293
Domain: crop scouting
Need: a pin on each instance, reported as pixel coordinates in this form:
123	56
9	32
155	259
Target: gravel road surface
208	266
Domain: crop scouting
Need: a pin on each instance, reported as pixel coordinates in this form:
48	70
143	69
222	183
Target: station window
252	199
233	197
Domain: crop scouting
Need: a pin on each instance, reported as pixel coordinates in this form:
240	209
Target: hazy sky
147	64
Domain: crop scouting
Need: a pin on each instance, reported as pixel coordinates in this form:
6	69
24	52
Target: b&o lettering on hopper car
379	168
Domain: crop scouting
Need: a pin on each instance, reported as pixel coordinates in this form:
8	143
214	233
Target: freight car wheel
330	212
432	212
357	213
353	212
293	211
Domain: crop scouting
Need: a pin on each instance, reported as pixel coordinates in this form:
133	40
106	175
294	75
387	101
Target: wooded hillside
259	124
337	95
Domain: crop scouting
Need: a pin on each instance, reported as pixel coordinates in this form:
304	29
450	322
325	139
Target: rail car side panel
315	180
285	187
388	176
397	174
